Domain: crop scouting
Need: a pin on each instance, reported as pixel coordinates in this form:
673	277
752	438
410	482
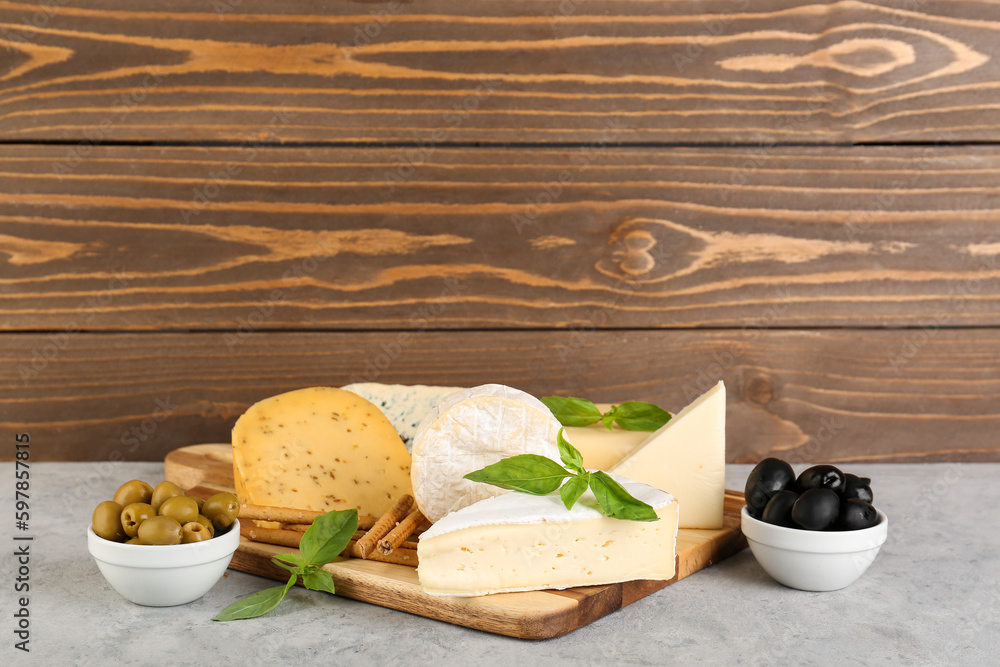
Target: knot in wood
634	258
759	390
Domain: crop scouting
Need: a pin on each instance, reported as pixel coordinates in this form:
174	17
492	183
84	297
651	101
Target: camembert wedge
520	542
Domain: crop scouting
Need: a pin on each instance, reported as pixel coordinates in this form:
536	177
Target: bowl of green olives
817	531
158	547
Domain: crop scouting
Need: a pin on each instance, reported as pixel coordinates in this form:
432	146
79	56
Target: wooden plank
480	71
532	615
244	240
825	395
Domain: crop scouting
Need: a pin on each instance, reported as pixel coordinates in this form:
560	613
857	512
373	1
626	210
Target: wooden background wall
206	203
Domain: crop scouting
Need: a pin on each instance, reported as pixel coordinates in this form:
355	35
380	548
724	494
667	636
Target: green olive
134	515
133	491
194	532
182	508
160	530
107	520
162	491
134	540
205	521
199	500
221	509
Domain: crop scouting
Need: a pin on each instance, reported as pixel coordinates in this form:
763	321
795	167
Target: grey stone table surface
932	596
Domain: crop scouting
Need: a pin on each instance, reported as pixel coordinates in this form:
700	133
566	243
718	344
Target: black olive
821	477
816	509
856	514
766	479
857	487
779	509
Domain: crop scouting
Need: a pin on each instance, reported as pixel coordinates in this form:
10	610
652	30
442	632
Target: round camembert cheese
472	429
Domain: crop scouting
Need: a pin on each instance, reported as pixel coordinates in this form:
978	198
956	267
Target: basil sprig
540	476
325	539
630	415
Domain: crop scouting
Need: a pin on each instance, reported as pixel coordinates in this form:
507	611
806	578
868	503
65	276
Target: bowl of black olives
158	547
815	531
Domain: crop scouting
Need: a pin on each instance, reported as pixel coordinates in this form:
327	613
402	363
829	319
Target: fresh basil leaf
529	473
618	503
318	580
572	411
569	454
575	487
328	536
257	604
608	418
640	416
291	562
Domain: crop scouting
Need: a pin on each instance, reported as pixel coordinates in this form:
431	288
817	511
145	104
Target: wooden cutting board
207	469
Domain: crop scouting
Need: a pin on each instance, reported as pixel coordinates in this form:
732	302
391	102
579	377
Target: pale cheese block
520	542
404	405
470	430
687	458
320	449
600	447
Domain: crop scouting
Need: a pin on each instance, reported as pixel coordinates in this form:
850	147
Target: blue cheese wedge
404	405
518	542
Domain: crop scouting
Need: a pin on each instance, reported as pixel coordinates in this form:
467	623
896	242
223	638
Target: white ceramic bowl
167	575
812	560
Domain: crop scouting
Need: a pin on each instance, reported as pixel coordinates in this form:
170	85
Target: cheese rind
468	431
687	458
520	542
404	405
322	449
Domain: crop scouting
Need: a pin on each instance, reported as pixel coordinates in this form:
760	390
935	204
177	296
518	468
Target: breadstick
399	534
291	538
292	516
399	556
285	538
303	527
385	523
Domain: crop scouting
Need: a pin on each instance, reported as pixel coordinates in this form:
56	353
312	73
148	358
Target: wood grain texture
826	395
480	71
530	615
142	238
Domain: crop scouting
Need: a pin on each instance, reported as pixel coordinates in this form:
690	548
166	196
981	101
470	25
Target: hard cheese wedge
319	449
404	405
600	447
519	542
687	458
468	431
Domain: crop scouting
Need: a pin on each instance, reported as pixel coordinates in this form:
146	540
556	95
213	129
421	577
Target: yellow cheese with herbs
320	449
